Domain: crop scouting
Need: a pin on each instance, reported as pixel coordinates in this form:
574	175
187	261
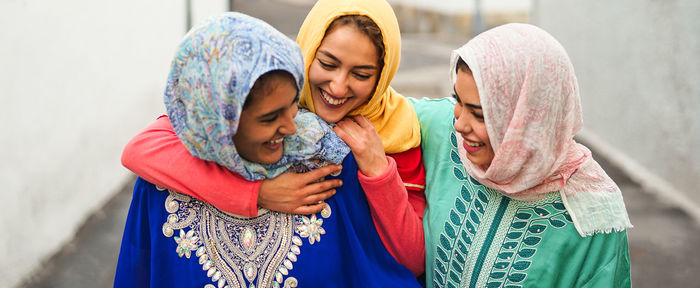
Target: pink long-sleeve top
395	197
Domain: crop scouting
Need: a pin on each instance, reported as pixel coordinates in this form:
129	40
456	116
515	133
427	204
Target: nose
339	85
288	127
462	124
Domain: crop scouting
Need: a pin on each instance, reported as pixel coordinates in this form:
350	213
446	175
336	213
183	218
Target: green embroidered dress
476	237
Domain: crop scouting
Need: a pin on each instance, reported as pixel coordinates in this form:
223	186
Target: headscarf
391	114
532	110
212	73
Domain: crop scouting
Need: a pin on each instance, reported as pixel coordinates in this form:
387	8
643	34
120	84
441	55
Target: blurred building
638	66
458	18
79	78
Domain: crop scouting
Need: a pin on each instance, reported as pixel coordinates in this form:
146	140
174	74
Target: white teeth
276	141
332	100
472	144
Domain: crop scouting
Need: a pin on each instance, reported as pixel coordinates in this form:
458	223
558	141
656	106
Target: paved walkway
663	244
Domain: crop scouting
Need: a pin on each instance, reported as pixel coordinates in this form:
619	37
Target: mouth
471	146
276	141
330	100
274	144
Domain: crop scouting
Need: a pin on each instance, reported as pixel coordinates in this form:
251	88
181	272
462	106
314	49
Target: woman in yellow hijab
391	114
351	52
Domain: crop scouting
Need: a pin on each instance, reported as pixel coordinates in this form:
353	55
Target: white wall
78	78
638	65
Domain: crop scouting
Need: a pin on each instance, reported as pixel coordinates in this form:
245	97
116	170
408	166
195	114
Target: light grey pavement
663	244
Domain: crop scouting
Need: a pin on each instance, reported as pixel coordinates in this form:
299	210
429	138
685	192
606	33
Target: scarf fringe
597	212
607	230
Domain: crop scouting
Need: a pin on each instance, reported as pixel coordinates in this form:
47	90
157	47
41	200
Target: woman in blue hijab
232	97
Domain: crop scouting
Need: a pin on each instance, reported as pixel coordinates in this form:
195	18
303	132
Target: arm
395	215
157	155
412	172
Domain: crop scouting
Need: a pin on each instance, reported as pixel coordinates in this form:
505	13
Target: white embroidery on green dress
237	251
516	241
508	246
457	237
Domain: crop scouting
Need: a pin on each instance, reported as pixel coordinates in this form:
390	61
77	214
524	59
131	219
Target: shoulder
424	106
435	116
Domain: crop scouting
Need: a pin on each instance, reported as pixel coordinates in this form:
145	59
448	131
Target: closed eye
269	119
327	66
274	115
362	76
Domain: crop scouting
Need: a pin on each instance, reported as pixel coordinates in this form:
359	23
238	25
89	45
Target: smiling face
470	120
267	116
344	72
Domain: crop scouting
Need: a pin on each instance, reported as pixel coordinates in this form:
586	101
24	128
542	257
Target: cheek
316	74
364	89
480	130
257	134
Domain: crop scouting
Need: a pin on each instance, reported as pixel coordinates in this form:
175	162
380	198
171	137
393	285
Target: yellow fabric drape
391	114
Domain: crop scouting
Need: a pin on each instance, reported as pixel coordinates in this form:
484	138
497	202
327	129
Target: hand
295	193
365	144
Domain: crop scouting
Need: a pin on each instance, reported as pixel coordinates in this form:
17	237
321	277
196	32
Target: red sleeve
410	166
397	221
157	155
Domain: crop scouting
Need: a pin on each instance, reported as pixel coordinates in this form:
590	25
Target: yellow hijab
391	114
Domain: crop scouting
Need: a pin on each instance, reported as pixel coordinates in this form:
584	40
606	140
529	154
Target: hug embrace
284	164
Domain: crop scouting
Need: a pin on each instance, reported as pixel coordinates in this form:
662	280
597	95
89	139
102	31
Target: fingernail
336	173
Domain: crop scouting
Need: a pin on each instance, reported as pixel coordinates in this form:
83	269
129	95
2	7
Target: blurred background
79	78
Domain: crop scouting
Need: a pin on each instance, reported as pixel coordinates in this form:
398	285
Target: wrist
382	179
377	169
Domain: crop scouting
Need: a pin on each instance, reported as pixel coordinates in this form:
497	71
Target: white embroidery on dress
237	251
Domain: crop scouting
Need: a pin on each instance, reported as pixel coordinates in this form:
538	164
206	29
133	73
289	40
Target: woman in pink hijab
513	200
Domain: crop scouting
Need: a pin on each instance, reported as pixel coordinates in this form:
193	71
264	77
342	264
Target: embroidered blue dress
172	240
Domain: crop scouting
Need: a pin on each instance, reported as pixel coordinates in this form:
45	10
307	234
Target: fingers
324	185
349	125
320	191
319	173
320	197
316	203
343	136
310	209
351	133
299	193
363	122
356	126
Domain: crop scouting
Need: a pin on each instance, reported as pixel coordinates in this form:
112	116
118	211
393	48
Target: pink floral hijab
532	110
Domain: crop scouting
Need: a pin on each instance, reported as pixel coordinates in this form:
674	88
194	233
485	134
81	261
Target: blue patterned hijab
213	71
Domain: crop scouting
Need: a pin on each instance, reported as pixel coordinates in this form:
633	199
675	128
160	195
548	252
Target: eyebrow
329	55
473	106
456	96
278	110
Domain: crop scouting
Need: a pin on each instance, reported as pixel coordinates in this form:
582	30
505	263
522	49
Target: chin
326	115
272	160
330	119
474	161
